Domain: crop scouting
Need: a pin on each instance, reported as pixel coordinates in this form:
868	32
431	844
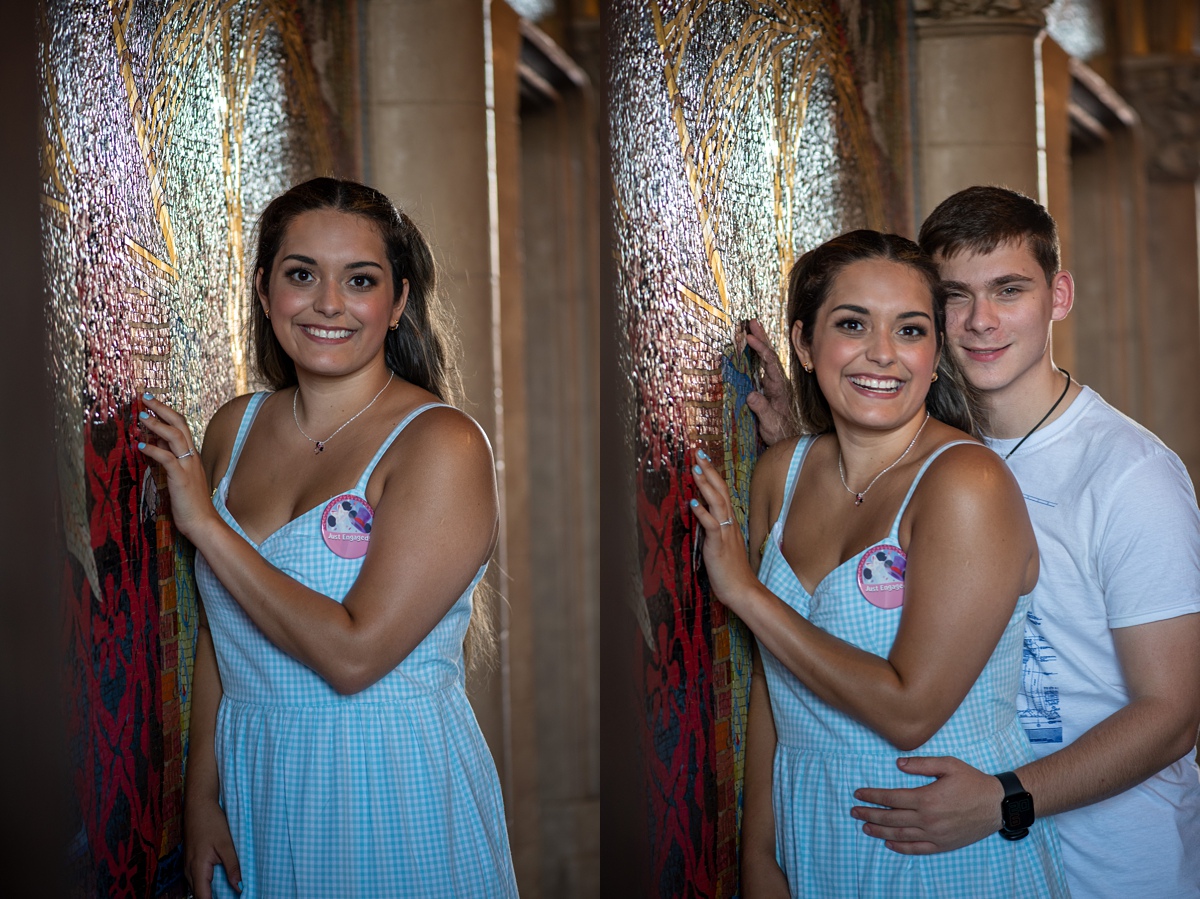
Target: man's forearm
1118	753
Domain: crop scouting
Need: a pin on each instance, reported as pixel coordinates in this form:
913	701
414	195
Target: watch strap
1010	782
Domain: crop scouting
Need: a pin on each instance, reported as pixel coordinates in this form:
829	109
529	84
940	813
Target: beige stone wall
501	188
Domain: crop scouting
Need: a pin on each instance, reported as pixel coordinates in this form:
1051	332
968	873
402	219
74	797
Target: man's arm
1160	662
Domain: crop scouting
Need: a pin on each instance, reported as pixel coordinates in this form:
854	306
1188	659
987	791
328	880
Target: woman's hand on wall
169	442
724	546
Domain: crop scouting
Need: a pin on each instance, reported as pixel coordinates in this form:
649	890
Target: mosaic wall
166	128
744	133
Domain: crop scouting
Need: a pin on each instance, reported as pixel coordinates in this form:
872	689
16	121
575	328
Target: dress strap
248	417
920	474
366	475
803	445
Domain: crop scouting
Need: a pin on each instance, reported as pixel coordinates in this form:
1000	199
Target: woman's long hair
951	398
421	350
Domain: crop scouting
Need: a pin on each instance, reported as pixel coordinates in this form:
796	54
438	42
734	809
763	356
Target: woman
896	553
333	751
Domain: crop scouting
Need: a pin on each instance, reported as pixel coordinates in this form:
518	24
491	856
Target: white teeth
329	335
877	383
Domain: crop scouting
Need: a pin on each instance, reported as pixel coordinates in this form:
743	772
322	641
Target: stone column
977	96
430	143
1165	91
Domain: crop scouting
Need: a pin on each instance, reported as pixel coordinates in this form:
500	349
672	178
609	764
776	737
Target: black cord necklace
1044	417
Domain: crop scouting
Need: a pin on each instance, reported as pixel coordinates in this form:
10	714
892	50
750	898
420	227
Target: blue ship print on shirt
1037	703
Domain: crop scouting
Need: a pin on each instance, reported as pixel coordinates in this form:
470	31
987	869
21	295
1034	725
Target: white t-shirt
1119	534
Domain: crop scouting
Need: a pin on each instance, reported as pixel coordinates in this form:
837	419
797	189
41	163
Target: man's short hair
979	219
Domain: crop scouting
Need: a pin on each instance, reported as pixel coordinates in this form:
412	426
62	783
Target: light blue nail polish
703	455
143	415
141	446
147	395
239	886
696	468
694	503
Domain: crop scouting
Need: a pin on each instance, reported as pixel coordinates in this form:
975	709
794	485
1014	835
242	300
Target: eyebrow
850	307
1000	281
308	260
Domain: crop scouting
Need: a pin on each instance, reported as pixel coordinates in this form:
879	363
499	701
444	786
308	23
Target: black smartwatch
1016	808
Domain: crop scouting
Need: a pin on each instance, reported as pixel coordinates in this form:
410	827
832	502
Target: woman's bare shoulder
970	480
221	432
222	428
441	442
774	462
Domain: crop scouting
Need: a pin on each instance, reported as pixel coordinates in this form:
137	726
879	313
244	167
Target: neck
1016	409
321	398
865	452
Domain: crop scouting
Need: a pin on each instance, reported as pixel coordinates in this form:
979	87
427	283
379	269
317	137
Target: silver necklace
858	497
321	443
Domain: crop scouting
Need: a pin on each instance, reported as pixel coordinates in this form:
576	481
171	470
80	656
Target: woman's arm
970	555
761	874
207	841
435	523
762	878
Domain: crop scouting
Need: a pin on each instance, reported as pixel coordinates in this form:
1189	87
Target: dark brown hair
950	399
420	350
979	219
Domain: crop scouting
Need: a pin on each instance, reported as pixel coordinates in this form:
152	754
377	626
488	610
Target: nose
979	316
328	300
880	348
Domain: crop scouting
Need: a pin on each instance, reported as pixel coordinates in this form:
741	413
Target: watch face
1017	811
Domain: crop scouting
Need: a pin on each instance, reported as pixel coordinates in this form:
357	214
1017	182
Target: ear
798	344
401	301
261	292
1062	291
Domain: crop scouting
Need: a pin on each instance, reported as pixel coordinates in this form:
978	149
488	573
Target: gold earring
934	378
394	325
808	368
267	313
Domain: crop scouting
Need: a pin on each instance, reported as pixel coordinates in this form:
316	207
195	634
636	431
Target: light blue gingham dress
390	792
823	755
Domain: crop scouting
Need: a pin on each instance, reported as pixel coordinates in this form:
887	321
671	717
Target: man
1111	672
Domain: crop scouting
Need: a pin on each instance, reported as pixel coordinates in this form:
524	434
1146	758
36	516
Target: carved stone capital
1165	91
1025	11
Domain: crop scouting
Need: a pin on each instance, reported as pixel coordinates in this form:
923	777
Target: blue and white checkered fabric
387	793
823	755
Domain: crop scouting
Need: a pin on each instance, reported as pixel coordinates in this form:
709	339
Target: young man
1111	673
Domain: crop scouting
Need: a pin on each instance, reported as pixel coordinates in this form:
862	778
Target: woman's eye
300	274
850	324
912	331
362	281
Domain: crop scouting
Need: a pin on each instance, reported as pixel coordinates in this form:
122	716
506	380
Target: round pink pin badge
346	525
881	575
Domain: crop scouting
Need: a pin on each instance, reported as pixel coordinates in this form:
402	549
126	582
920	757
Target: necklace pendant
858	499
320	448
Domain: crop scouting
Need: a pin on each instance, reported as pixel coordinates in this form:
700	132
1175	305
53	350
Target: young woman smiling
333	751
893	555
